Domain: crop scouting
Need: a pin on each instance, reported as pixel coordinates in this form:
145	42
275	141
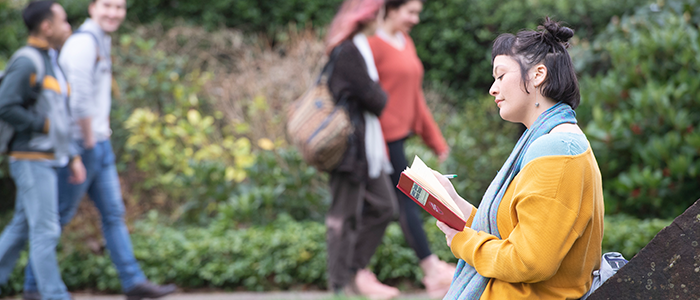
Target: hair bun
561	34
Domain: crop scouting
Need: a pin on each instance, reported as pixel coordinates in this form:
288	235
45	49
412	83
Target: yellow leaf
230	173
243	144
239	175
133	141
266	144
228	142
241	128
188	171
179	92
193	116
244	161
170	118
207	121
260	103
193	99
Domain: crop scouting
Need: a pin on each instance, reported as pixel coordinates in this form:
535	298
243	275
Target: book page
423	175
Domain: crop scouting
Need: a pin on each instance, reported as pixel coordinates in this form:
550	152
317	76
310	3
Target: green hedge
283	254
258	16
453	40
14	34
641	109
455	36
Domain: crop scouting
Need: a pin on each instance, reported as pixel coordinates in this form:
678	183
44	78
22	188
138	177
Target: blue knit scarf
467	283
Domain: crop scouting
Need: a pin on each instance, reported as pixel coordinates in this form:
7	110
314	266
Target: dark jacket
39	115
350	79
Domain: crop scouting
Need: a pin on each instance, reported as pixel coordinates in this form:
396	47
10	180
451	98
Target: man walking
85	58
33	103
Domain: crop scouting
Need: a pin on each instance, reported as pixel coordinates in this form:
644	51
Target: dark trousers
409	212
356	222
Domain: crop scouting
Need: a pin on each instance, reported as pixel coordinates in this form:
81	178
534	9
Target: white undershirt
387	38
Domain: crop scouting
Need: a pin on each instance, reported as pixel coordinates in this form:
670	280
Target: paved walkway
244	296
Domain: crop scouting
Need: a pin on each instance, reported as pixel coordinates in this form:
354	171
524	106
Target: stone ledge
667	268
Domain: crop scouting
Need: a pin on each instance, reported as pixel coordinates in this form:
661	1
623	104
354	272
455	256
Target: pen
450	176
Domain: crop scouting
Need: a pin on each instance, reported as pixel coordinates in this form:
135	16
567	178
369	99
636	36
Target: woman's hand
443	156
463	205
449	232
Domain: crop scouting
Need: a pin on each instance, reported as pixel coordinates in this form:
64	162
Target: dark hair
36	12
394	4
546	45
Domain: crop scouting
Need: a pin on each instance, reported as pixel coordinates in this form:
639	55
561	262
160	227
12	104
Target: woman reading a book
538	231
363	198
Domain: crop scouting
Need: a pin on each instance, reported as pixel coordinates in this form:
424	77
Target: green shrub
628	235
453	40
14	33
203	165
280	255
167	136
258	16
455	36
279	182
641	110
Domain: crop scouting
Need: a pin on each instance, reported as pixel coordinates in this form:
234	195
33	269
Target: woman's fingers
442	226
449	232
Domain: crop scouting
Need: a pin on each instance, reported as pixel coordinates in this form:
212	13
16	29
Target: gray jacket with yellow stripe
37	110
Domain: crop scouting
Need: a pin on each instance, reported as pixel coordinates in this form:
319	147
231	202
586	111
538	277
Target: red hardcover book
430	203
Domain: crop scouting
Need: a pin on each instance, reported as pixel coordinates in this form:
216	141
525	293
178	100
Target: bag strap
327	72
35	56
97	45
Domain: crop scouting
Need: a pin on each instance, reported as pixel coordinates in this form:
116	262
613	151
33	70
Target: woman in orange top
406	113
538	231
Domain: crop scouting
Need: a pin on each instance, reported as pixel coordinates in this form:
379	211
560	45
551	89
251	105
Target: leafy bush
279	182
13	35
280	255
642	115
204	151
455	36
259	16
165	141
453	40
628	235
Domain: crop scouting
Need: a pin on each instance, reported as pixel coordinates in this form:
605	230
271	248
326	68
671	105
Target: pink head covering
348	19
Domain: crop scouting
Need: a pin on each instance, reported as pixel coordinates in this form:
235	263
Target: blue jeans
35	219
102	185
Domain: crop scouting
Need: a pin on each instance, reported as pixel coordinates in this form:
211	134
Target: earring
537	104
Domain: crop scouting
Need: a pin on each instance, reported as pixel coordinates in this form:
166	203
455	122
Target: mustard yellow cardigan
551	224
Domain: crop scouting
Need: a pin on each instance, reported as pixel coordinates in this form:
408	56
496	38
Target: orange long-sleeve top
401	76
551	226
